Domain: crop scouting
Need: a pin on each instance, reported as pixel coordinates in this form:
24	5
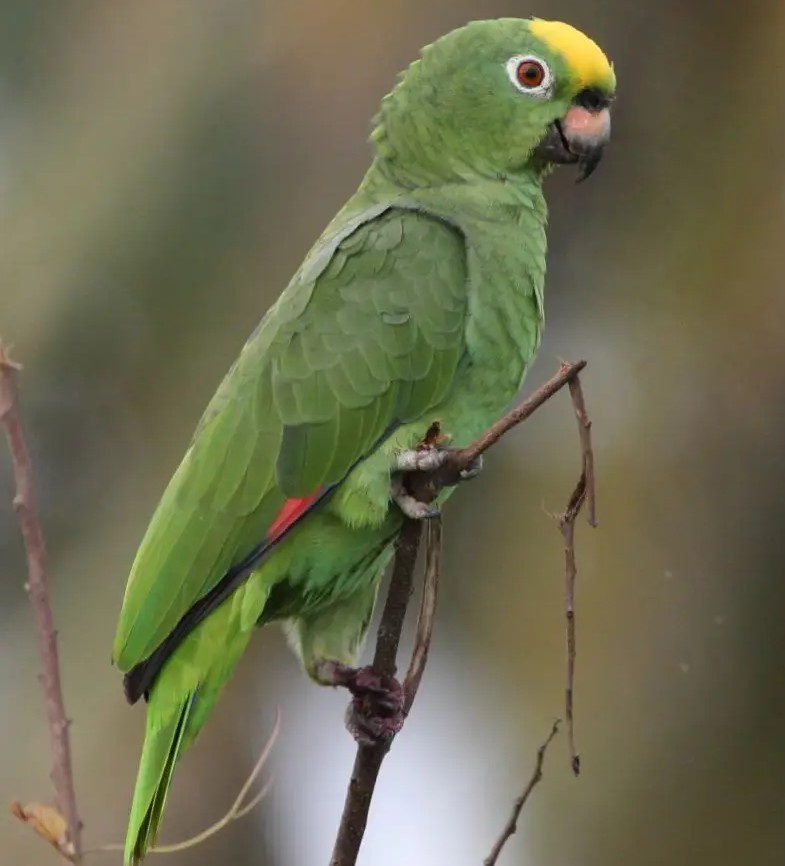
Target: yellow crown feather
587	62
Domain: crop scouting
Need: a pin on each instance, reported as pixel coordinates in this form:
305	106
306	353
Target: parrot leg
376	710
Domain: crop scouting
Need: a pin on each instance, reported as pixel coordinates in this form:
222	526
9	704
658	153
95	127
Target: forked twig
424	486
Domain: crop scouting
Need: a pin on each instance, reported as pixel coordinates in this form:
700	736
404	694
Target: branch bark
427	615
368	760
584	493
37	587
426	486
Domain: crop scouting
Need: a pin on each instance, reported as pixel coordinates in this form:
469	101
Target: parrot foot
376	710
431	457
410	506
424	459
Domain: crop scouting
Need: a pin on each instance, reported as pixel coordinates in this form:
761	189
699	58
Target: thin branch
512	822
568	373
568	533
391	625
37	587
430	594
584	431
238	809
583	493
368	760
425	486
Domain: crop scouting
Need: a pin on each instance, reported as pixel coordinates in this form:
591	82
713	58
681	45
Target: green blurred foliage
163	168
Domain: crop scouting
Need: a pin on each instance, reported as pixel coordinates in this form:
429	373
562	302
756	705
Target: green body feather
421	301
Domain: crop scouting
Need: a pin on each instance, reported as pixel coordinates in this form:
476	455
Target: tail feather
180	701
162	746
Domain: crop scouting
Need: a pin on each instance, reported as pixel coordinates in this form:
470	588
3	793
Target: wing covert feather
368	333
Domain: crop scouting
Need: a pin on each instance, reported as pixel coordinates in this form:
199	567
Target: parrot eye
530	75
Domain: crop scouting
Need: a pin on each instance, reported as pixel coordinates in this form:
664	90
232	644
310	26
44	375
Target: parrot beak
579	137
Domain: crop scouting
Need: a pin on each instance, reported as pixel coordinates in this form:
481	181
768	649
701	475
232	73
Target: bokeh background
163	168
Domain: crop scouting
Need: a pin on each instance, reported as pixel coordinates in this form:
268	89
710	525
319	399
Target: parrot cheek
554	148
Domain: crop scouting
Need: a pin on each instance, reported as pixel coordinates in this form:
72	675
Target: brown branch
425	619
512	822
568	533
583	493
425	486
37	587
587	453
368	760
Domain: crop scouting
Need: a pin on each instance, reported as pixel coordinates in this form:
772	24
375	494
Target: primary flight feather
422	301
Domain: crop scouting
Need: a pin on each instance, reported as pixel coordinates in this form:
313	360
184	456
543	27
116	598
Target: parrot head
497	98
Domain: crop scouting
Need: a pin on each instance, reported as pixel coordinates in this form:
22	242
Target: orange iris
530	73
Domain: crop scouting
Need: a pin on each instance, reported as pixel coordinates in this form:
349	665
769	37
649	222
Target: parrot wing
368	334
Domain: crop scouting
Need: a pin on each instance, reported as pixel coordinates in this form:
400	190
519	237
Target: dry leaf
434	437
48	823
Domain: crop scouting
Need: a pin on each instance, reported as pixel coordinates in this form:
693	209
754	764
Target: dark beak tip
587	165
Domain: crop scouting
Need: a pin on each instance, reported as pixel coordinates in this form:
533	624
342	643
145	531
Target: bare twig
37	587
587	453
239	809
430	592
568	533
368	760
425	486
512	822
583	493
568	372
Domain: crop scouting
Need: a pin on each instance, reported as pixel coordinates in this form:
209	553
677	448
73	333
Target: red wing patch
290	511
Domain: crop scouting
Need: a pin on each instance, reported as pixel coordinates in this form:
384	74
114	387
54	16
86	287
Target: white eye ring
543	89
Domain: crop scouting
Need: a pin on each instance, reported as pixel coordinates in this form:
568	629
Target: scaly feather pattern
422	301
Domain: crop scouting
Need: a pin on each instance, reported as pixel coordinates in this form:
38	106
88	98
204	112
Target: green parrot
421	302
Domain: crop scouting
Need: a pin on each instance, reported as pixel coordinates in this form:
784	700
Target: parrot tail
162	744
179	703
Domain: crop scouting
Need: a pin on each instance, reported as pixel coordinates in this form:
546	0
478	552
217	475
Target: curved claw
473	470
410	506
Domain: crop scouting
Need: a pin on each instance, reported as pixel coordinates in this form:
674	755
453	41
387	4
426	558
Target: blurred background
164	166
